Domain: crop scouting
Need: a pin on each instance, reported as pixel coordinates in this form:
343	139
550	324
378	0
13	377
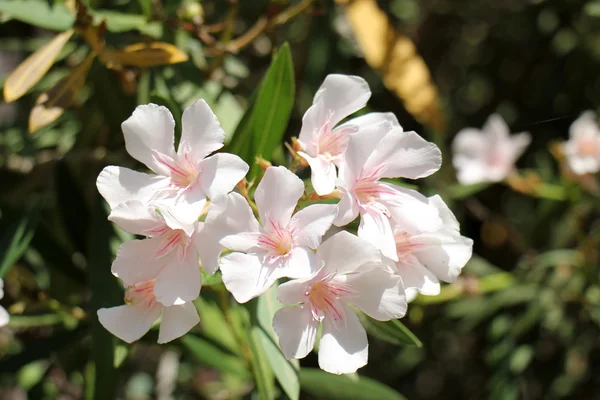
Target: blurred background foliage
521	323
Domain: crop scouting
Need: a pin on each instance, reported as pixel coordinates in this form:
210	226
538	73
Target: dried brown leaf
395	57
30	71
143	55
53	103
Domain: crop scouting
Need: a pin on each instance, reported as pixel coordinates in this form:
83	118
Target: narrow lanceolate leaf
341	387
261	368
266	308
262	128
393	331
105	292
16	240
143	55
395	57
209	354
285	373
30	71
53	103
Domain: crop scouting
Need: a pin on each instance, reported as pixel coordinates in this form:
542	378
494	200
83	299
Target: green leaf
285	373
262	128
266	308
392	331
208	354
458	192
16	239
122	22
39	13
333	387
261	368
214	325
105	292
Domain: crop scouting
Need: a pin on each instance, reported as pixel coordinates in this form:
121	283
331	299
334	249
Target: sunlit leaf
214	325
53	103
143	55
210	355
395	57
123	22
393	331
30	71
261	368
261	129
341	387
285	373
267	307
41	13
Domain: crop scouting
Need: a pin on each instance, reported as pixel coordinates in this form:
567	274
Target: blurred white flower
4	316
322	142
487	155
583	147
131	321
280	246
426	258
386	151
184	178
350	274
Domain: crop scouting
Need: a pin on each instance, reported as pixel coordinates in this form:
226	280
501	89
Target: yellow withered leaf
395	57
30	71
53	103
143	55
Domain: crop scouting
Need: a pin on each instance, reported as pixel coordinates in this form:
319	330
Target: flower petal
150	129
118	185
496	128
342	95
312	222
406	155
137	261
416	276
128	322
207	246
176	321
360	147
345	252
372	120
322	173
519	143
137	218
200	129
301	262
244	241
220	173
411	209
230	215
448	219
181	211
296	329
245	277
343	347
294	291
380	294
443	254
179	281
4	316
348	209
277	195
375	228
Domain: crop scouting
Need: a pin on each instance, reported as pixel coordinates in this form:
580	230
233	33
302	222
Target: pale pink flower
426	258
350	274
385	151
168	256
280	246
322	142
4	316
489	154
131	321
583	147
184	178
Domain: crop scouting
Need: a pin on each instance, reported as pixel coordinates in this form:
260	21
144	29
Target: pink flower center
325	298
171	240
405	246
141	293
182	170
277	240
587	146
331	143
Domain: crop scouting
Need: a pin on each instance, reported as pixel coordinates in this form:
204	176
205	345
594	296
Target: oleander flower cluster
188	216
582	150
